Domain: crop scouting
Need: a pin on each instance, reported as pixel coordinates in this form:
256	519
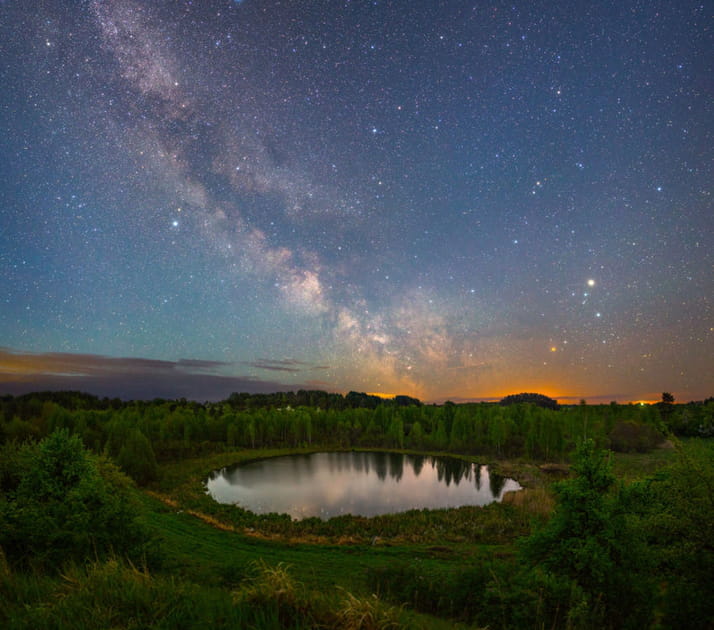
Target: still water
365	484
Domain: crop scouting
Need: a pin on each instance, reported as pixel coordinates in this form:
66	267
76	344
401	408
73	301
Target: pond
358	483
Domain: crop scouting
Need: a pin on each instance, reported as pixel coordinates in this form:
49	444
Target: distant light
591	282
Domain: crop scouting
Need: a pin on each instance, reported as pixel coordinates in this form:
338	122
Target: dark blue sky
443	199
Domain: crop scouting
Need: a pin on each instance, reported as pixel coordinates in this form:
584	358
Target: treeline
137	433
27	404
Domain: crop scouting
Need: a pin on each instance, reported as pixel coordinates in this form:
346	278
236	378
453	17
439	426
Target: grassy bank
223	567
181	486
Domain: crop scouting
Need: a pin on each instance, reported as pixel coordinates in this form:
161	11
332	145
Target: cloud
200	364
284	365
129	378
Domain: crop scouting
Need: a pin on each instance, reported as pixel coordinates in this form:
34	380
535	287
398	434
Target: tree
416	435
61	504
395	433
136	458
679	519
537	399
589	543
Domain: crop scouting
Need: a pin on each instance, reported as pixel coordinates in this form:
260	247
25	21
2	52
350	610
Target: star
361	187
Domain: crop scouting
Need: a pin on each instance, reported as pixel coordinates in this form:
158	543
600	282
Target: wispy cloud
129	377
284	365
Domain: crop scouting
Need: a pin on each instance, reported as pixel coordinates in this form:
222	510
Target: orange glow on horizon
381	395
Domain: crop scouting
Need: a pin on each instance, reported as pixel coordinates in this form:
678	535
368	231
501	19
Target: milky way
442	199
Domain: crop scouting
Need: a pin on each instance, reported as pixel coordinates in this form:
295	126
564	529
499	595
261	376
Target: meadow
104	519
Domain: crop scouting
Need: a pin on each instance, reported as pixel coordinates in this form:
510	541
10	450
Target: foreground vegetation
613	540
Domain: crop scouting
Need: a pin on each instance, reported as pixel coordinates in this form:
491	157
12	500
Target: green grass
208	576
200	551
635	466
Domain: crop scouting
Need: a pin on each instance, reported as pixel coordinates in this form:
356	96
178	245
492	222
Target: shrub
634	437
136	458
589	541
64	504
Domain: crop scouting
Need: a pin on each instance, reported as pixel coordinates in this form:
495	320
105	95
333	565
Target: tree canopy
540	400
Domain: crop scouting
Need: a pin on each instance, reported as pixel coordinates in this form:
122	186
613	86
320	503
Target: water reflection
360	483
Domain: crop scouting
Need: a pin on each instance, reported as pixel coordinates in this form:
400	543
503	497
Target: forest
105	521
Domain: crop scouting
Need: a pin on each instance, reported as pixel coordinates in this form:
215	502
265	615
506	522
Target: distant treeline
317	398
137	433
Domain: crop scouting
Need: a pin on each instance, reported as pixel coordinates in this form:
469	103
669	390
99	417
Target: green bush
136	458
678	518
590	542
634	437
60	503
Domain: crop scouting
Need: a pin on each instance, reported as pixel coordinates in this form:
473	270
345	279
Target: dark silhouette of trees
536	399
317	399
406	401
666	407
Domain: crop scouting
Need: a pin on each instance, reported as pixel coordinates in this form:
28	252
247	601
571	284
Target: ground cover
440	570
224	567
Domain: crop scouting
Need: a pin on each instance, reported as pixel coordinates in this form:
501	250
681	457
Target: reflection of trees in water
396	466
381	465
303	465
477	476
453	470
448	470
337	463
417	462
496	482
233	473
358	460
440	469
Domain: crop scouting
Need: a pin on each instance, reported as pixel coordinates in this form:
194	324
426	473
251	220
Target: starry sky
450	200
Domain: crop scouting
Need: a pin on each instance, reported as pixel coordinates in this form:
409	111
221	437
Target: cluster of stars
441	203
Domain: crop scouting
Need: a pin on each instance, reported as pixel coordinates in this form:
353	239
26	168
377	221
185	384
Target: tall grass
116	594
367	613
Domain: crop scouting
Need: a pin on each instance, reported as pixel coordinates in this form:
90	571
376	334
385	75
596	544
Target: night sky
450	200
